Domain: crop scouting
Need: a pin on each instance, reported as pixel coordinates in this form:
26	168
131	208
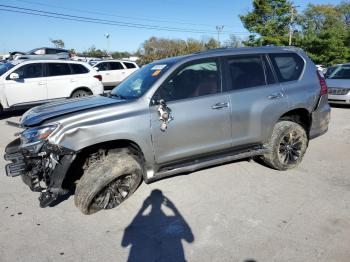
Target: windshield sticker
155	73
158	67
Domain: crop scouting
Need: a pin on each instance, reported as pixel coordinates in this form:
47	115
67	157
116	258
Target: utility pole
291	28
107	38
219	29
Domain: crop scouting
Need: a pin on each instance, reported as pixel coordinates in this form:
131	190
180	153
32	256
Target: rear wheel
80	93
288	145
108	182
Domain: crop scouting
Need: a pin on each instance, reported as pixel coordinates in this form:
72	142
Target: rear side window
30	71
58	69
246	72
288	66
51	51
115	66
129	65
79	69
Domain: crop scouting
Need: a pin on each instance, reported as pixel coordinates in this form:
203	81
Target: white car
114	71
26	83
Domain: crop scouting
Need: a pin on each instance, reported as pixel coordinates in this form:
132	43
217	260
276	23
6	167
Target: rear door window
79	69
246	71
58	69
288	66
115	66
129	65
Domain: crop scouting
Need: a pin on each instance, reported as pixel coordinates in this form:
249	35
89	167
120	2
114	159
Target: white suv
114	71
25	83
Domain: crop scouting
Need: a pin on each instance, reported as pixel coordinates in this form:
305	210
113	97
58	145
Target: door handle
41	83
274	96
219	106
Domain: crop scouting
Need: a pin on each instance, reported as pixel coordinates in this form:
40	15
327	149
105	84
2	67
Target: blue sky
24	32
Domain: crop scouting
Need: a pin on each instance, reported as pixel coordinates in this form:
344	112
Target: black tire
80	93
108	182
288	144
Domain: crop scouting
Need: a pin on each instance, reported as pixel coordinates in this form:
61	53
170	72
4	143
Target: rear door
29	88
130	68
60	81
257	98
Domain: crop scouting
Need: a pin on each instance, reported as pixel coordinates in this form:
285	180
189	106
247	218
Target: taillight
323	84
99	77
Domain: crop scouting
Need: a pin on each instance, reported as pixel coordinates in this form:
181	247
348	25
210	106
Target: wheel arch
301	116
81	88
74	173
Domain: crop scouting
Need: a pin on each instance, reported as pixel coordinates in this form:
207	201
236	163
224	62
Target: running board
200	164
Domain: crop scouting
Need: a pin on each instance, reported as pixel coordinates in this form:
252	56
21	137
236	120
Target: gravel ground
241	211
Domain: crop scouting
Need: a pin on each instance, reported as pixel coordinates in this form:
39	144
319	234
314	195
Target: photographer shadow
156	236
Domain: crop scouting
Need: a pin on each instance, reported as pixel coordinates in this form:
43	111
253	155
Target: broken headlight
37	134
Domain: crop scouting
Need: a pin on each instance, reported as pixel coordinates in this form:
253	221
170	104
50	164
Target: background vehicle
114	71
173	116
43	53
26	83
338	80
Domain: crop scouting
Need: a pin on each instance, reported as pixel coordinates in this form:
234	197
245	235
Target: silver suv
172	116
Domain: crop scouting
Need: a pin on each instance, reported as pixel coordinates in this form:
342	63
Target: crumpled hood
39	114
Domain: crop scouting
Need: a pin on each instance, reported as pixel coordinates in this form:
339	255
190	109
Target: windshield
141	81
5	67
340	72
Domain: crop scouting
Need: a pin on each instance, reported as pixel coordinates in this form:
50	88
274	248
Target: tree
94	52
325	33
58	43
233	42
158	48
268	23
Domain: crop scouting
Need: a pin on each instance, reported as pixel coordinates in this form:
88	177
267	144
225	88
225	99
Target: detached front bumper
42	166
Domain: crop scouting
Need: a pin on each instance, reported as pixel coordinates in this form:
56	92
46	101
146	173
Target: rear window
288	66
58	69
129	65
79	69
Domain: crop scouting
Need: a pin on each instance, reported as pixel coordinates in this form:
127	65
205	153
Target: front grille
338	91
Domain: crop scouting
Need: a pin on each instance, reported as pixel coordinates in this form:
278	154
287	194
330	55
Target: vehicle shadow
5	115
156	236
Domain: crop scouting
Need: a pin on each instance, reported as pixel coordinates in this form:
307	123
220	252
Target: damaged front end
42	165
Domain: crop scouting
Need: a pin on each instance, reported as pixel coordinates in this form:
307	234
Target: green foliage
268	22
323	30
120	55
58	43
94	52
232	42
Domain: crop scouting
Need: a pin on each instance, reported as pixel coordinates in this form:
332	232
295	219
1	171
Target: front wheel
108	182
288	145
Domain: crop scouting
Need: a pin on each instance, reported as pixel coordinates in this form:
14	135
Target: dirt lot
237	212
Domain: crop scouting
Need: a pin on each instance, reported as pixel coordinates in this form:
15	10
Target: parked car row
24	83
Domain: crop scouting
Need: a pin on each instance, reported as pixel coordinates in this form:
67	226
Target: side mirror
96	68
14	76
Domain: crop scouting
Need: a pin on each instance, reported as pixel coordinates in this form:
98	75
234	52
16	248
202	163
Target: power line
61	16
122	16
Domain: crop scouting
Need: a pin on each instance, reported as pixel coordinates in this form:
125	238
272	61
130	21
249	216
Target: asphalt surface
241	211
